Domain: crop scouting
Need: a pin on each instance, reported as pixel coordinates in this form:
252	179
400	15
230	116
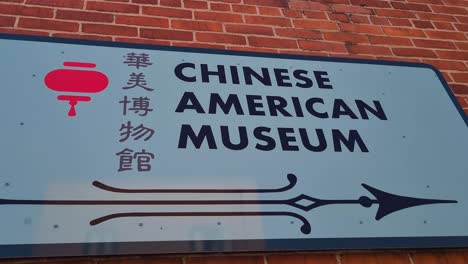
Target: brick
445	35
269	11
429	258
460	89
166	12
462	19
254	49
411	6
298	33
462	27
380	20
145	260
414	52
142	21
461	45
170	34
368	49
359	19
312	5
429	43
112	7
276	3
437	2
443	25
448	65
195	4
403	22
302	259
109	29
422	24
453	55
10	9
436	17
272	42
6	21
57	3
338	17
225	260
464	104
249	29
450	10
311	24
197	25
220	7
463	3
367	29
461	77
371	3
293	13
23	32
147	2
76	36
218	16
374	258
244	9
314	14
345	37
322	46
35	23
172	3
143	41
395	41
83	16
408	32
352	9
395	13
274	21
221	38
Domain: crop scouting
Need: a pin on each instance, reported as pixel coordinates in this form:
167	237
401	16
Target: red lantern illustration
76	81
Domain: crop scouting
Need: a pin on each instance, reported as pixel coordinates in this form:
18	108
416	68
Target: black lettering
310	107
349	142
205	73
320	76
243	140
340	108
286	140
301	75
277	104
253	105
194	103
281	78
376	111
259	134
232	101
322	142
178	70
264	78
187	132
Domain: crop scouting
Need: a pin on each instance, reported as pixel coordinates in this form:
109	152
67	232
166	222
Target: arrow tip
390	203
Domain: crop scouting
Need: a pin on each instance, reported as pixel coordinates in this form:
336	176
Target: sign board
113	148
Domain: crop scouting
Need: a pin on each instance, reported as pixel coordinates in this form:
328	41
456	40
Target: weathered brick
359	19
368	49
315	14
249	29
409	32
453	55
460	89
263	20
221	38
298	33
7	21
375	258
312	5
57	3
448	65
367	29
194	4
443	25
422	24
80	36
371	3
414	52
109	29
272	42
141	21
166	12
395	13
173	3
276	3
461	77
48	24
293	13
411	6
445	35
269	11
218	16
353	9
429	257
13	9
84	16
396	41
322	46
338	17
166	34
196	25
302	259
244	9
436	17
225	260
345	37
403	22
220	7
429	43
312	24
450	10
112	7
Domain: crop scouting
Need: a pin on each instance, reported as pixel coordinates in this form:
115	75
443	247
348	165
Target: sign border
231	246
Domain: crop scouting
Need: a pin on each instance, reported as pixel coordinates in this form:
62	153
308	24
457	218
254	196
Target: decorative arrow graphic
387	203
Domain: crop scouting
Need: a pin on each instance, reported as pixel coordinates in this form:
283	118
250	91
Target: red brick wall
430	31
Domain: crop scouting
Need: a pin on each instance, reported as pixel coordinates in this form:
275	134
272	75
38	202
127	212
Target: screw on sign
76	81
